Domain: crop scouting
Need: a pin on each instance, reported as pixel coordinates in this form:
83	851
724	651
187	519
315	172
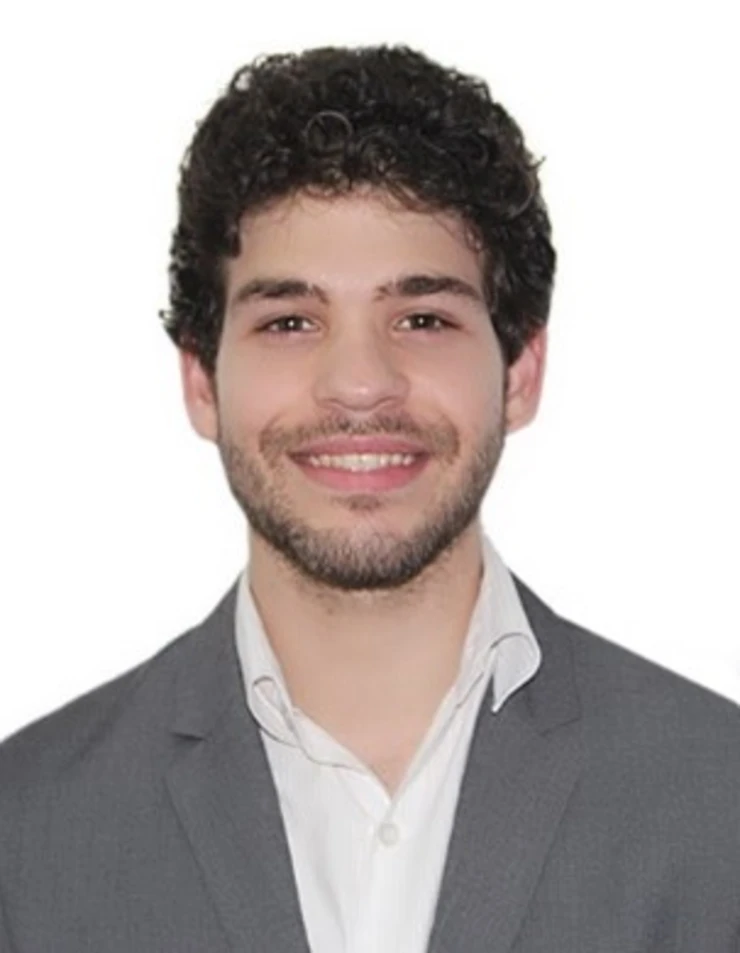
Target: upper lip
345	445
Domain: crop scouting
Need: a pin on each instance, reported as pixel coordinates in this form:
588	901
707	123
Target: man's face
361	398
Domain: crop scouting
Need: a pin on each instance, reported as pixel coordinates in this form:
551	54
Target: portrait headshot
314	641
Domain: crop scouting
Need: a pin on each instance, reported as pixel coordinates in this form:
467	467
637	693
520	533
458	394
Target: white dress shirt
368	866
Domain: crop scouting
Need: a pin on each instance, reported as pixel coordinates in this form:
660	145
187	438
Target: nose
358	370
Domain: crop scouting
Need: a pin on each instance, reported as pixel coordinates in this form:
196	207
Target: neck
371	668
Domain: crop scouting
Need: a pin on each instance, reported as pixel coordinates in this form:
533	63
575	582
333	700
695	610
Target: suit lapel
222	791
523	765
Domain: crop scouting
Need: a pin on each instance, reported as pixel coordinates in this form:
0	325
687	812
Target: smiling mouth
363	471
362	462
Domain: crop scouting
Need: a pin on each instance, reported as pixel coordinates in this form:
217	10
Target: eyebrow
406	286
416	286
277	288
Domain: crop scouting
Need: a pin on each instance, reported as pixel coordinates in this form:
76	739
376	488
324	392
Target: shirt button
388	834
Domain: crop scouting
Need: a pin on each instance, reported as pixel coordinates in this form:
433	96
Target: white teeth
362	461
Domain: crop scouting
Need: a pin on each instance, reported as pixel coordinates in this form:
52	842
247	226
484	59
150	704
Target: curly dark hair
328	119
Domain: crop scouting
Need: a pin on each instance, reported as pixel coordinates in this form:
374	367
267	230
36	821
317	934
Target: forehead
364	236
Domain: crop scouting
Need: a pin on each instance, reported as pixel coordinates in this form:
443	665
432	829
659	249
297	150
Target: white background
618	504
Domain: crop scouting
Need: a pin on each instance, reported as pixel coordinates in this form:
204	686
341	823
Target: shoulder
132	713
656	800
43	747
643	721
610	677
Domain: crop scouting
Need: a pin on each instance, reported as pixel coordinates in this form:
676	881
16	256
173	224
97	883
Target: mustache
440	439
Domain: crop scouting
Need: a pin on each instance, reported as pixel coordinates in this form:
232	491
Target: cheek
253	392
479	394
470	395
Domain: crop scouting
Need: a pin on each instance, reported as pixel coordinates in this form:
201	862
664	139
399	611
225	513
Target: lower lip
386	478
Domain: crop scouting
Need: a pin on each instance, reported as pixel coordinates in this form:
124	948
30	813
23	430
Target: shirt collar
500	642
266	691
499	645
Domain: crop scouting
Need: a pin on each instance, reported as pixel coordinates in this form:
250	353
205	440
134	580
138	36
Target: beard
369	559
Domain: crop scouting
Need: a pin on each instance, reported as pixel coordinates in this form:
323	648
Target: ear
200	397
524	382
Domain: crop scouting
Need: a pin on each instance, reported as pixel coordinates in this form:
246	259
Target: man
379	740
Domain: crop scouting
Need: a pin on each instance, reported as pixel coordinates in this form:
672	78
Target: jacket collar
207	677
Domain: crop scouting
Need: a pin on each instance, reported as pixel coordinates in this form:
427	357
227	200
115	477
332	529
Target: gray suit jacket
599	812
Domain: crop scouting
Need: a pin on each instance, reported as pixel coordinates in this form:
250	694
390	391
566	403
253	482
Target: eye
281	325
291	323
423	321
